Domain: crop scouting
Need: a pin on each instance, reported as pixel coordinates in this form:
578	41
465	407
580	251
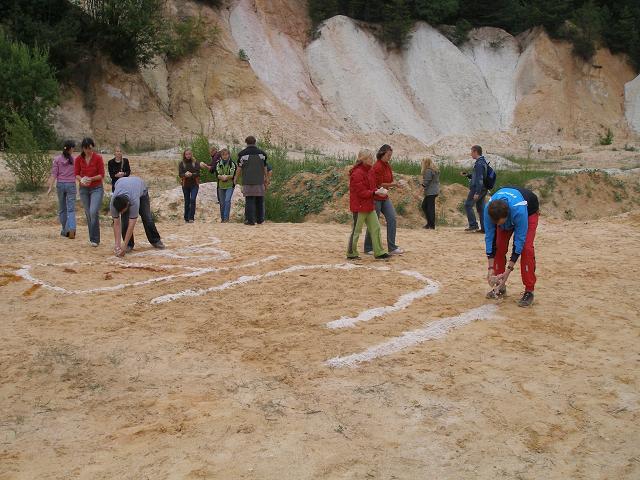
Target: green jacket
226	168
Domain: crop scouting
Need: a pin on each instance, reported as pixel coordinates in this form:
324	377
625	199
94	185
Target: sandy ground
234	384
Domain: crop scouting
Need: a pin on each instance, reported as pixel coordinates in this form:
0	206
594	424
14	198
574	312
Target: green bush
132	32
607	138
183	37
28	88
201	152
25	159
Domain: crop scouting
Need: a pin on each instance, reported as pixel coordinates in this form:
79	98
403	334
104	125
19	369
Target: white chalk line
204	250
437	329
403	302
24	273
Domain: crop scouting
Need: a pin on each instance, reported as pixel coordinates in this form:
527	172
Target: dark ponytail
66	150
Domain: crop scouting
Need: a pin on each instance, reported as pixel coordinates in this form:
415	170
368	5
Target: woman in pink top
63	174
89	170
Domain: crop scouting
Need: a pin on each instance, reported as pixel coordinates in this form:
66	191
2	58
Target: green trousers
373	226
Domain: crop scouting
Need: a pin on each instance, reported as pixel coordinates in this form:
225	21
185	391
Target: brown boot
71	234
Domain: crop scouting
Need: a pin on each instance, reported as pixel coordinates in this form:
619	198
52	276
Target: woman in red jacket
89	170
361	192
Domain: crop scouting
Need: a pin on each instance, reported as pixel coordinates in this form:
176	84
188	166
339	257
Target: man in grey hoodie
477	190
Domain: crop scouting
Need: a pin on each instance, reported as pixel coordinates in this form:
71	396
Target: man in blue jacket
511	211
477	190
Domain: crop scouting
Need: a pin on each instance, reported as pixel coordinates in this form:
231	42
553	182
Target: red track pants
527	258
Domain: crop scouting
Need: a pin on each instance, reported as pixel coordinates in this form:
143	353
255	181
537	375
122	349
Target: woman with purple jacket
63	173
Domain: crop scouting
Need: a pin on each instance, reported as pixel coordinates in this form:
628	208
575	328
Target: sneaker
354	258
480	231
191	221
397	251
94	244
526	300
493	295
159	245
471	229
249	223
370	252
384	256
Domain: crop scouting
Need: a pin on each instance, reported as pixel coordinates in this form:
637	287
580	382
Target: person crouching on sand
511	211
361	192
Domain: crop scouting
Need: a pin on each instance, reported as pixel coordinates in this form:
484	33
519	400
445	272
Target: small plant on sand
242	55
569	215
607	138
401	207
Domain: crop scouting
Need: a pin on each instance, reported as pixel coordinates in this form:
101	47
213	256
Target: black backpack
489	177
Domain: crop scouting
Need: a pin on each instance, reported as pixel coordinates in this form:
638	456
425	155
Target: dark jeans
429	209
225	202
386	208
479	205
254	210
147	221
190	194
91	198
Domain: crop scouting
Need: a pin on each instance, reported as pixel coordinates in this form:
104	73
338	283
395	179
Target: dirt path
233	383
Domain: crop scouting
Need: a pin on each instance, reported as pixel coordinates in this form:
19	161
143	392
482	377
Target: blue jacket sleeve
477	180
521	226
489	232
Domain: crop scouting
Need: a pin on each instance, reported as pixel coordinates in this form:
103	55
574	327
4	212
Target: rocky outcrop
632	103
345	89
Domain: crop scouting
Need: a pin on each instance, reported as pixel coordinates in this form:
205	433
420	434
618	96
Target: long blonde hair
428	164
362	156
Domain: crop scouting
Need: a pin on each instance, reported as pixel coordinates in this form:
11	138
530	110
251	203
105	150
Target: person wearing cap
63	175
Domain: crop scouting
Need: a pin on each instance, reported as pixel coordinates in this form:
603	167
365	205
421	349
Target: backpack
489	177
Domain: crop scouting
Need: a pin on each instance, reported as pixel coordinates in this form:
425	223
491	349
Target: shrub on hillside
29	164
183	37
131	32
27	88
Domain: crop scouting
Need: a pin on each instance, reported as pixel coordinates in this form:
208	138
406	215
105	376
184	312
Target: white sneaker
369	252
397	251
94	244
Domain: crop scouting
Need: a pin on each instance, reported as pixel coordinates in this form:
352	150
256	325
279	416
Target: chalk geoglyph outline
434	330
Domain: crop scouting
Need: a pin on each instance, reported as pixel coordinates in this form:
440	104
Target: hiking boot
354	258
493	295
397	251
71	234
159	245
526	300
384	256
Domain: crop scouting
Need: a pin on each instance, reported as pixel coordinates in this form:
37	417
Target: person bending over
130	199
511	211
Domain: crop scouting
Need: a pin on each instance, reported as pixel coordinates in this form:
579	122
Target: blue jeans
67	206
190	194
91	198
225	202
479	205
386	208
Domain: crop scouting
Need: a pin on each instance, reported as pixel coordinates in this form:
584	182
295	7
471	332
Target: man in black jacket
477	190
252	165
